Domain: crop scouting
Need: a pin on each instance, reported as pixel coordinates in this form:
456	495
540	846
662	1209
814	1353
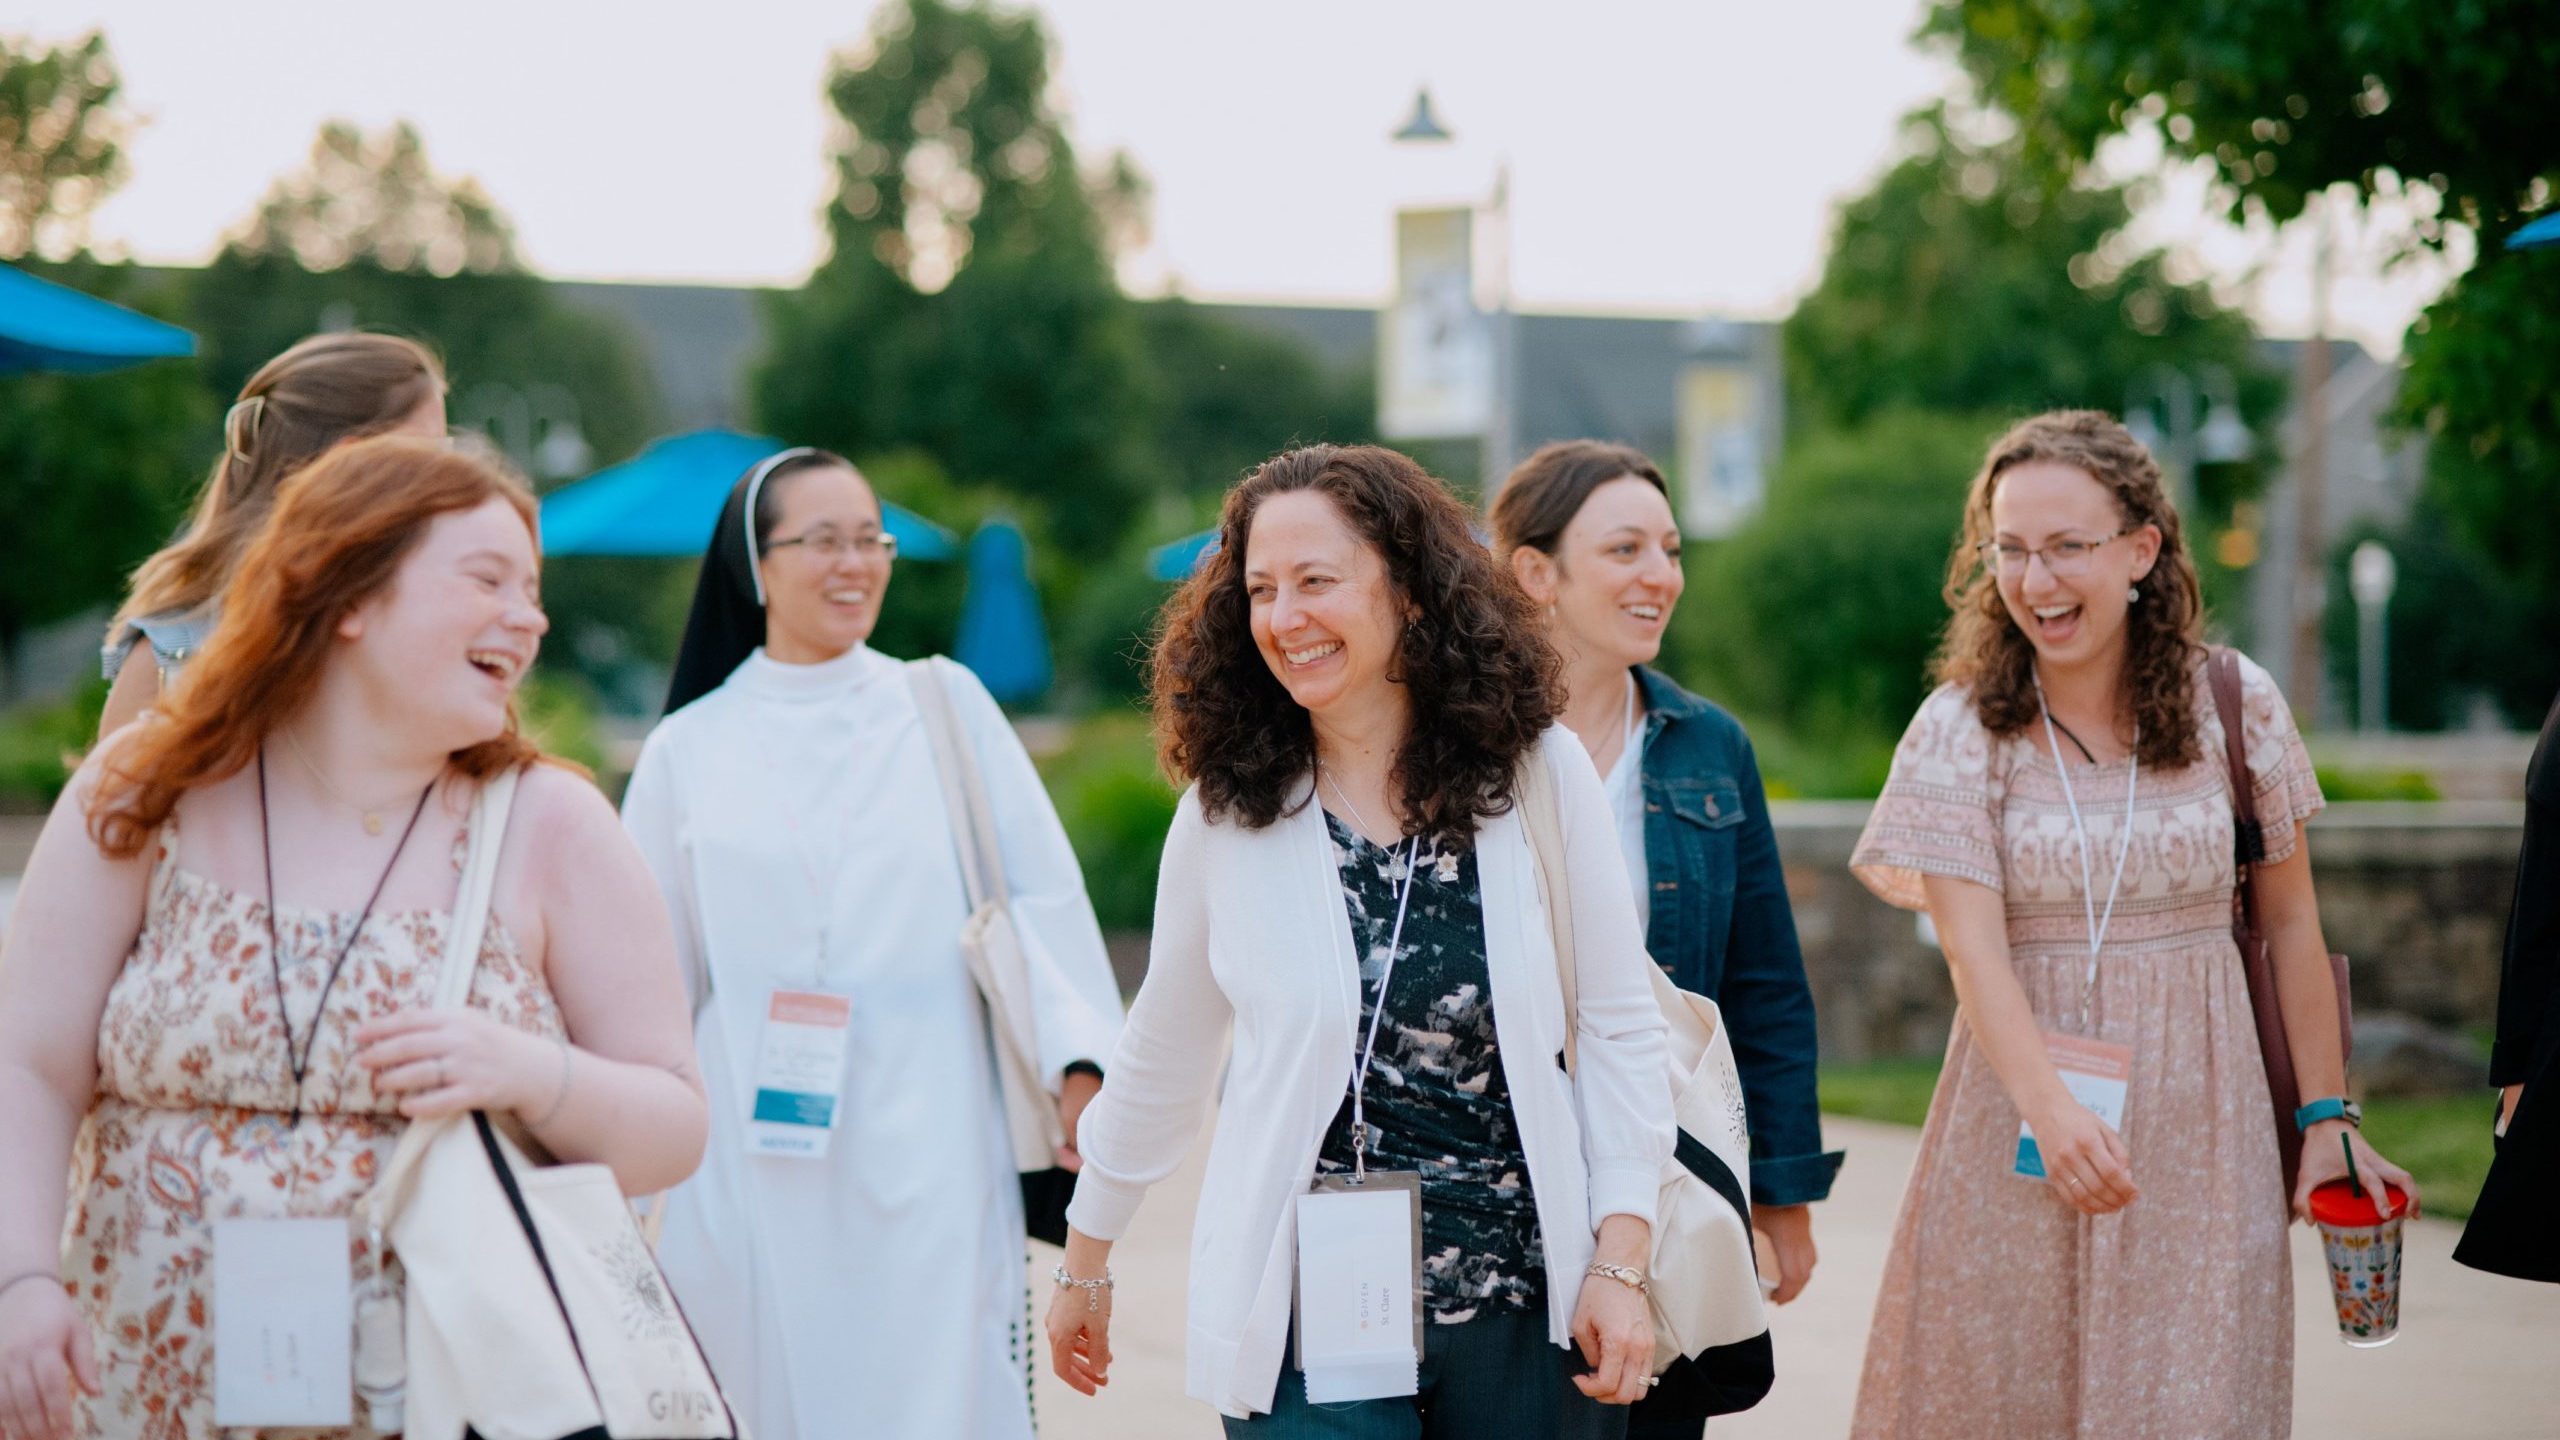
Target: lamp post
2165	391
2372	576
1424	127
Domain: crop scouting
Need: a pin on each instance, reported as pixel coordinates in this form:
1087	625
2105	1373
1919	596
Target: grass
2442	1140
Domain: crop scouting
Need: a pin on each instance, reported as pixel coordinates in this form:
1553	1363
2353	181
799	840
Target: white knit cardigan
1252	937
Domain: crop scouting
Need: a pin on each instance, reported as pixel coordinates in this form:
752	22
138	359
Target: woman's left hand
446	1062
2323	1161
1613	1322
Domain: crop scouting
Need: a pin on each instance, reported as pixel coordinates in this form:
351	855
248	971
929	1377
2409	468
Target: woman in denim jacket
1588	530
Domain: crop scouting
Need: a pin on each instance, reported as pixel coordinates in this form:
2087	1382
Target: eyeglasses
830	546
2063	559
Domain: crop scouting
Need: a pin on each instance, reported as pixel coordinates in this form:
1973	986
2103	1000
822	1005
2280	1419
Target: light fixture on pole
2221	439
1424	127
2372	576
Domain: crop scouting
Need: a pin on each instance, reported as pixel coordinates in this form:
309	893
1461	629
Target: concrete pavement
2478	1357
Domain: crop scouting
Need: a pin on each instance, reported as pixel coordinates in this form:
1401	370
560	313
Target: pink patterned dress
2003	1311
190	1120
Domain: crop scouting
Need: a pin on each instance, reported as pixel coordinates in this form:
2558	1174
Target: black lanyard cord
298	1060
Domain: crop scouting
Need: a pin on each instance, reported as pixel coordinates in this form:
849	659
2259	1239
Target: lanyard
2096	921
1369	1051
814	873
298	1060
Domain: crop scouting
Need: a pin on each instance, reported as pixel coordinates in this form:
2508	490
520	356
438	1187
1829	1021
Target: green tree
1231	397
1845	562
376	198
62	133
2446	103
1960	283
967	307
2286	99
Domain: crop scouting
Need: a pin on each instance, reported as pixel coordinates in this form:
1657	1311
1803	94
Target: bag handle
1540	814
964	790
489	812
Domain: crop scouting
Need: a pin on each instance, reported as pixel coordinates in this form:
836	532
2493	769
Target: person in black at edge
2511	1231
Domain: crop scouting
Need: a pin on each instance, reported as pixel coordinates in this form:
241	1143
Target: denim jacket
1721	926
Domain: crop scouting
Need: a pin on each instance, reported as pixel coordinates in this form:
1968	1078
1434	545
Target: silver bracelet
1093	1289
1626	1275
559	1097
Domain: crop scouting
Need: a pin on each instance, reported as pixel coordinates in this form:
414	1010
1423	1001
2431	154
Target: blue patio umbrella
1176	559
44	326
1002	636
664	501
2545	231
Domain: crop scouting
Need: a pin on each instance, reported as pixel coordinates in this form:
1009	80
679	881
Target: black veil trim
727	623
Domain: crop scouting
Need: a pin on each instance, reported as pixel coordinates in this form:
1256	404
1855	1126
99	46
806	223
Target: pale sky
1672	157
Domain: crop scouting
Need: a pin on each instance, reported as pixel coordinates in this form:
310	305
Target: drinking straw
2353	1181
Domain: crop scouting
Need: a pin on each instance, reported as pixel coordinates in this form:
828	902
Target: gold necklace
371	817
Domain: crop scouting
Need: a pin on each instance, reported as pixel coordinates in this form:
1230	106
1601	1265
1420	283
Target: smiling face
824	567
1326	617
1615	575
446	643
2069	600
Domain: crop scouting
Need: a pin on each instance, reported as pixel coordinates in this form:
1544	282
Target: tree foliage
1959	283
2287	99
375	199
1822	611
62	131
967	307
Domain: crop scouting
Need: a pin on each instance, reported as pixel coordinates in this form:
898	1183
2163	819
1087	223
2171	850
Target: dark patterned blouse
1436	1100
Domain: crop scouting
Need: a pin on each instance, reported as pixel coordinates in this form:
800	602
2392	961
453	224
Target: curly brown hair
1986	652
1484	682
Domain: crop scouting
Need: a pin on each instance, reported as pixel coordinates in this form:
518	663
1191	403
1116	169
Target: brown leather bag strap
2222	670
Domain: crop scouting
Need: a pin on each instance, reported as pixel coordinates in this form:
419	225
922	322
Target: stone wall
2416	894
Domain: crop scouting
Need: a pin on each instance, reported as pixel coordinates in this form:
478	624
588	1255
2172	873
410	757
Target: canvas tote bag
1707	1303
535	1311
992	948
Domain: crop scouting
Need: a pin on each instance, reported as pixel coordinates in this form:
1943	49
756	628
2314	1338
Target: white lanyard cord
2096	921
1368	1051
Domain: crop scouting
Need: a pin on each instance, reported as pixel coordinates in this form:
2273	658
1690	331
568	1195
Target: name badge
283	1323
1359	1287
2095	1073
800	1073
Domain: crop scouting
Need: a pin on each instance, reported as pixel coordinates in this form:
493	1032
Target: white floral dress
191	1119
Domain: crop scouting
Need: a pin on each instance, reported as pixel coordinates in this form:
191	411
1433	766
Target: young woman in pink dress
2061	807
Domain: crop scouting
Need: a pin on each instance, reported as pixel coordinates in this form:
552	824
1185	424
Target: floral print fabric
2003	1311
191	1119
1436	1100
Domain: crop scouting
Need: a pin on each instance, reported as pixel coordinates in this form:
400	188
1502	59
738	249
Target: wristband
1626	1275
2333	1107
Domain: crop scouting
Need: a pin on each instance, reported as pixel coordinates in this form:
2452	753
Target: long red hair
339	530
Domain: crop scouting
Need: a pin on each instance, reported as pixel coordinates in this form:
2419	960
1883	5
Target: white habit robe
877	1291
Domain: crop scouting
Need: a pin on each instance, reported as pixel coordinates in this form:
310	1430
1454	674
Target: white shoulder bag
534	1309
1707	1304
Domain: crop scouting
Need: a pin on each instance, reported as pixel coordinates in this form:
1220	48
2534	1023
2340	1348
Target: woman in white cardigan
1352	687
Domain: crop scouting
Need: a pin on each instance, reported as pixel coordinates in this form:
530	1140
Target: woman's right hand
44	1350
2085	1160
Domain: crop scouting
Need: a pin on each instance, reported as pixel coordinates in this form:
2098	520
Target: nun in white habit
851	1250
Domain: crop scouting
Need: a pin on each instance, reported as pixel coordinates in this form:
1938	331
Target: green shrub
41	744
1116	808
2337	783
558	716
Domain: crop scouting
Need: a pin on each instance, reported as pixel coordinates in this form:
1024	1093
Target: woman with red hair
215	1002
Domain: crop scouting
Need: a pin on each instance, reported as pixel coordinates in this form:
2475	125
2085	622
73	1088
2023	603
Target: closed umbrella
1002	637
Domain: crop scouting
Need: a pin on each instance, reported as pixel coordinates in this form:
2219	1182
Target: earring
2133	595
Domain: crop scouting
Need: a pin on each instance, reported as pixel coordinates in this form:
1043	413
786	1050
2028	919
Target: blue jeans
1492	1378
